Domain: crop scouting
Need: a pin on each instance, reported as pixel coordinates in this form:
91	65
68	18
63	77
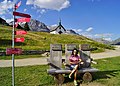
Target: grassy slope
42	40
109	75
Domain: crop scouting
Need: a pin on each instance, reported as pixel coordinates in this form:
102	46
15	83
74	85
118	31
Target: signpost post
13	62
14	50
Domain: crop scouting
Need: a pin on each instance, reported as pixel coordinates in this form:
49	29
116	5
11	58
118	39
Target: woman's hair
73	52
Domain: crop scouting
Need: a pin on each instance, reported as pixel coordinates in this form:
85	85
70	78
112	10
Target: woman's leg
75	68
75	75
75	78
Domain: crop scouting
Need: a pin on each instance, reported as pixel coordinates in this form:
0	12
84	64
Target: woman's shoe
70	76
75	83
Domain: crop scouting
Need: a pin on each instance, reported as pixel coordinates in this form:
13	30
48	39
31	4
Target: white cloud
108	39
25	10
86	34
6	19
89	29
94	0
29	2
9	20
5	5
54	25
43	11
103	35
50	4
77	30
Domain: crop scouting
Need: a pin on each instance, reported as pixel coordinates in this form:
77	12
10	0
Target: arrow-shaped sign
19	39
20	32
10	51
21	14
22	20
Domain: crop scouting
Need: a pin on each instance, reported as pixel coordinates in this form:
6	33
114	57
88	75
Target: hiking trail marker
13	50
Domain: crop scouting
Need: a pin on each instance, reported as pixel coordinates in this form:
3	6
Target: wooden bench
55	61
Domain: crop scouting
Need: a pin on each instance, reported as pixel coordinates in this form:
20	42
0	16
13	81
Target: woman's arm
74	62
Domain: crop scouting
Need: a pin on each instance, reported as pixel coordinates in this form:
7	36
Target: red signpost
19	39
21	14
10	51
22	20
20	32
13	50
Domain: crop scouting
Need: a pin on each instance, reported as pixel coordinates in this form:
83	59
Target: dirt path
43	61
24	62
106	54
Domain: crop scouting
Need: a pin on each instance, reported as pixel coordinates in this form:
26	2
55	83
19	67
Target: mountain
33	25
116	42
71	32
2	21
51	28
102	40
36	25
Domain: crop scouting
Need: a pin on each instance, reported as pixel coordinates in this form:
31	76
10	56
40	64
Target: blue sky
92	18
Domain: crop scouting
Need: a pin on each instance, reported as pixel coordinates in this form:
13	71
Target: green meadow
108	75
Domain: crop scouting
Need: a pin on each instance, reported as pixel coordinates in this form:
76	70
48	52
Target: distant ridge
2	21
116	42
102	41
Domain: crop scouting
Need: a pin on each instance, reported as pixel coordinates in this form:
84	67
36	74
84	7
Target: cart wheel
87	77
59	78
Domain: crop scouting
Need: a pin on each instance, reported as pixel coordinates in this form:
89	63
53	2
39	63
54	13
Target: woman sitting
74	64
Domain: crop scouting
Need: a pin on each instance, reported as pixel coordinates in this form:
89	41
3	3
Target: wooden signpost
14	50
